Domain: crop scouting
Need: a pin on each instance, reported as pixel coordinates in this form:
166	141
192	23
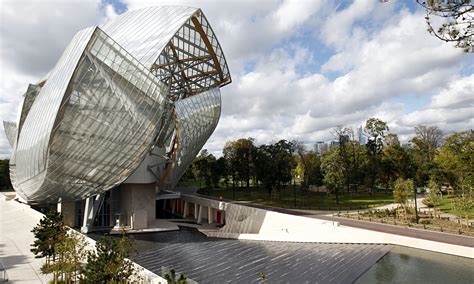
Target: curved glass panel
10	131
196	120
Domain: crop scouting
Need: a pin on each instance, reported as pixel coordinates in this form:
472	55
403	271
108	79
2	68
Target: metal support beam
210	215
91	208
185	209
199	216
195	211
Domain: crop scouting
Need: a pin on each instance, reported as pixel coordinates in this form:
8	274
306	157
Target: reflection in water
408	265
150	241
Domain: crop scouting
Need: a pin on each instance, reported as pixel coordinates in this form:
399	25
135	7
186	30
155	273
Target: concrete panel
243	219
136	197
68	210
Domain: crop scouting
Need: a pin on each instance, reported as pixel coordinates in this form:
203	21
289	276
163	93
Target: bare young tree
429	138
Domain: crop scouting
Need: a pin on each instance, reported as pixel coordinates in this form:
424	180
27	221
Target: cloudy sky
299	67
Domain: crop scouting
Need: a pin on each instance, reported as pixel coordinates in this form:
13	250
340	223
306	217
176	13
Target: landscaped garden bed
425	221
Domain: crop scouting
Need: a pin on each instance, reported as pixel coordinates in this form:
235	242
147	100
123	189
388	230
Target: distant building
363	137
406	145
321	147
334	143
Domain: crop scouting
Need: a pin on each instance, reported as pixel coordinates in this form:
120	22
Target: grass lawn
305	199
446	206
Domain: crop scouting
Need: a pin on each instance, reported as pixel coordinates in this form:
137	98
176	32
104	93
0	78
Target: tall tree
344	136
239	157
71	255
395	161
456	160
265	167
49	231
108	264
376	129
275	164
308	166
230	157
244	149
425	144
5	174
331	165
285	162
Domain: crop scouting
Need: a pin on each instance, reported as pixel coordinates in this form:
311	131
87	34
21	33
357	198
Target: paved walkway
16	222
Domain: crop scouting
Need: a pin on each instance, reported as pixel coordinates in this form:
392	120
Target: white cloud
33	36
451	110
373	54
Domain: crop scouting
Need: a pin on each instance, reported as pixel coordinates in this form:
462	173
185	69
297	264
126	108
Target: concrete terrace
16	222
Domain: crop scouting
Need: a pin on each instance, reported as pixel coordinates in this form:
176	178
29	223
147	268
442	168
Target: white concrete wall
138	197
142	174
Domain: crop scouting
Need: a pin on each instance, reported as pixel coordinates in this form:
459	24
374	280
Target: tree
457	21
455	159
218	170
308	165
402	190
265	168
171	278
425	144
230	156
344	135
303	161
244	161
5	174
331	166
204	168
48	232
282	156
395	161
275	164
71	254
376	129
108	264
433	198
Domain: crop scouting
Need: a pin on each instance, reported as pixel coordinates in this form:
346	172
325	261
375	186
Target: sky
299	68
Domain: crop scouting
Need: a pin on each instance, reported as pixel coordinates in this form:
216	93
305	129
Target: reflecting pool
408	265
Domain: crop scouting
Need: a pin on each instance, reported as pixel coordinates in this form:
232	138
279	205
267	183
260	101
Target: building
363	137
120	117
321	147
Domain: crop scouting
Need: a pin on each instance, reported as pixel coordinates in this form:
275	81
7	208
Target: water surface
408	265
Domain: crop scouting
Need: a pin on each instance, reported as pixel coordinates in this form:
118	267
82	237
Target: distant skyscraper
334	143
363	138
321	147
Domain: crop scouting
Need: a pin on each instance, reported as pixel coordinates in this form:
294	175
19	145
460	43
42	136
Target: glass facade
149	79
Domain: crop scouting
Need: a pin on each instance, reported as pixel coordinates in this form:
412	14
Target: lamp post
416	206
294	190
